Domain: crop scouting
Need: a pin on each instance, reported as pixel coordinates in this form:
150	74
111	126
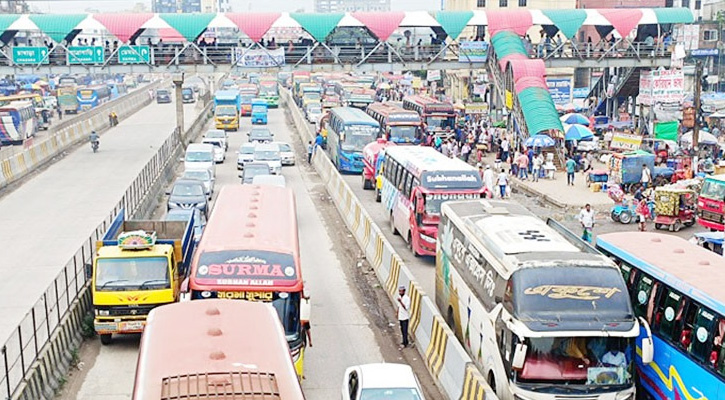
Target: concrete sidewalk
46	220
555	191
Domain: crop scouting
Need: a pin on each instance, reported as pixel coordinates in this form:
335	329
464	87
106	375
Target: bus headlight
102	313
428	239
206	294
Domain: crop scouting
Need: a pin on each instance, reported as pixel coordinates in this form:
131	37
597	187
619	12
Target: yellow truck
227	110
138	265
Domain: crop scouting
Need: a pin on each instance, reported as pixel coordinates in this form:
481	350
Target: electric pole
696	128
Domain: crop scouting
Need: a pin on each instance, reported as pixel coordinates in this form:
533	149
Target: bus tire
106	338
491	381
392	225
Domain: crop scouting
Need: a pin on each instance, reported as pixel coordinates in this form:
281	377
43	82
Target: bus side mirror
519	356
419	205
648	349
305	306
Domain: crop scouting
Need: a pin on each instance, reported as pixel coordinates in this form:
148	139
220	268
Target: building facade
176	6
337	6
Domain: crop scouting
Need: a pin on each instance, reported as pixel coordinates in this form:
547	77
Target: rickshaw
674	207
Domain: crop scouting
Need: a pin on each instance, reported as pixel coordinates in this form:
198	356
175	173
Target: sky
237	5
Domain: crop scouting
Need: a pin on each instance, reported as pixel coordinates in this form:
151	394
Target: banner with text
260	57
473	52
560	89
661	86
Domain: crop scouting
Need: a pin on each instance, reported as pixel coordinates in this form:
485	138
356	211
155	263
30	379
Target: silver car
269	153
286	152
203	175
245	154
218	134
188	194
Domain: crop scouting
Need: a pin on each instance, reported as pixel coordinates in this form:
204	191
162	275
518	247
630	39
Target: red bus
373	156
399	125
437	115
206	350
250	251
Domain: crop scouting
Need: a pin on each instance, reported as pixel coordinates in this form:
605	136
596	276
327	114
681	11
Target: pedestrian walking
310	148
504	149
570	168
587	218
523	162
488	181
502	182
646	176
403	314
537	162
465	152
60	112
642	211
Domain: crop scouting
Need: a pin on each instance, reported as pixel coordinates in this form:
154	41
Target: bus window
641	295
671	304
702	340
408	182
718	351
652	301
685	325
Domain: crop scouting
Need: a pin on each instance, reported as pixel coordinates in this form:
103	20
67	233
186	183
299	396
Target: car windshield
312	96
358	136
187	91
162	93
390	394
714	190
314	110
187	189
214	143
226	111
216	135
246	150
403	132
266	155
284	147
251	171
592	361
202	175
199	156
260	134
133	273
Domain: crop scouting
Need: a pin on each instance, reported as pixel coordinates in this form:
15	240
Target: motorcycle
94	145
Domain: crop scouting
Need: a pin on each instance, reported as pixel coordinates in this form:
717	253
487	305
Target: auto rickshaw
674	207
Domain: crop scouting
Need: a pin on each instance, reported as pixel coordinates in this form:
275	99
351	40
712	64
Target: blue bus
677	287
18	121
117	90
92	96
348	131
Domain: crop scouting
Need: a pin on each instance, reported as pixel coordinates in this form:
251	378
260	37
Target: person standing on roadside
502	182
403	314
310	148
587	219
646	176
570	169
537	162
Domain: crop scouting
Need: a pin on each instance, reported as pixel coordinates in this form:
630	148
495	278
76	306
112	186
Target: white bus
543	315
416	181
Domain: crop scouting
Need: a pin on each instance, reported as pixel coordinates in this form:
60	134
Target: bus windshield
714	190
119	274
593	361
403	132
439	122
357	136
433	201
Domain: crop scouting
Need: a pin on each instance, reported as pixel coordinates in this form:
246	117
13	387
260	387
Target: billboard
661	86
560	90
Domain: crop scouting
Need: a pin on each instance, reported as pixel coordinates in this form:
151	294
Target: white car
219	154
203	175
286	153
269	153
245	154
380	381
218	134
314	113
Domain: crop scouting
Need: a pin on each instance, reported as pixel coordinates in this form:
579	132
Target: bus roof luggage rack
238	385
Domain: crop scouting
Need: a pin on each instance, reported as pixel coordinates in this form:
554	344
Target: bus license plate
132	326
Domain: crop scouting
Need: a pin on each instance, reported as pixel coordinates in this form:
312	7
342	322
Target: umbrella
539	141
577	132
703	138
575	118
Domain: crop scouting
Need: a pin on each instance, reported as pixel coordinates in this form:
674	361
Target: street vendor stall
626	168
674	207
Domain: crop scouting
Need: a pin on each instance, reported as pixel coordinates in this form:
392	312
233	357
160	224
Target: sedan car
260	135
380	381
163	96
219	154
254	169
269	153
218	134
188	194
203	175
184	215
286	153
245	154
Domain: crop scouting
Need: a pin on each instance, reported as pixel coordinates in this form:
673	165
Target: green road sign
134	55
30	55
85	55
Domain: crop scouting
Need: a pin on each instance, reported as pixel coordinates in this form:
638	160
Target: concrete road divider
446	360
68	133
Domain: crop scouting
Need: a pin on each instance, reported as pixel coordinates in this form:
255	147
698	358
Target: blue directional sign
30	55
134	55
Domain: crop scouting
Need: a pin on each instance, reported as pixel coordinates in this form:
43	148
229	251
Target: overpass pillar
178	80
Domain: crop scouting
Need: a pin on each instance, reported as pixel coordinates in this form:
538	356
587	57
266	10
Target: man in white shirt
403	314
646	176
614	358
587	218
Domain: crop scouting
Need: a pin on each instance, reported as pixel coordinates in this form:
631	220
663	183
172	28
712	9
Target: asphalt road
342	331
44	221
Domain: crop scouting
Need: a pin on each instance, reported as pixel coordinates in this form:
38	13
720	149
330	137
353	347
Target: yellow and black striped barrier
416	297
391	285
435	354
474	386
